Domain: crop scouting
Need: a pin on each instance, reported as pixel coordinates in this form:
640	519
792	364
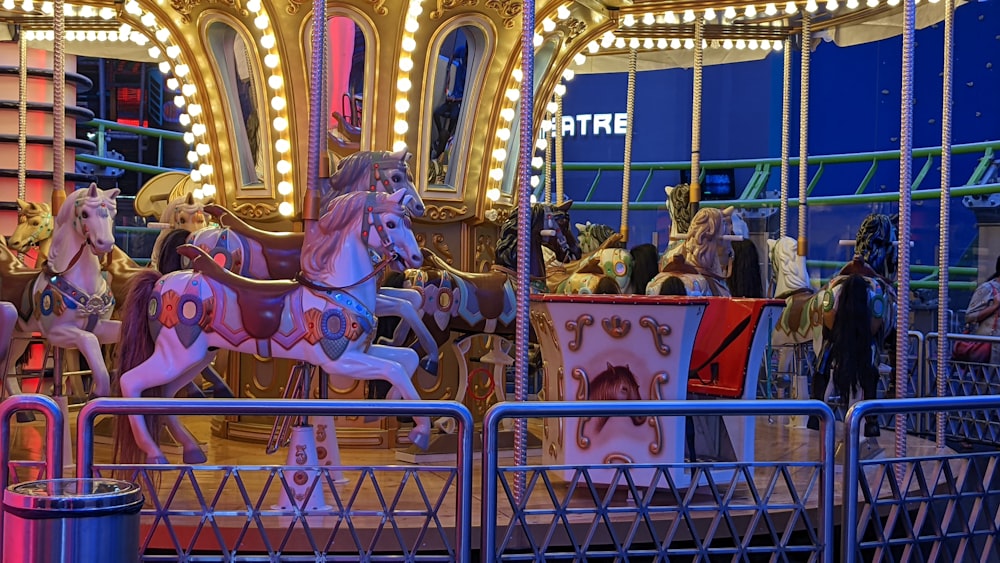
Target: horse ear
611	368
399	197
190	198
771	243
24	205
92	191
669	190
112	193
580	227
564	206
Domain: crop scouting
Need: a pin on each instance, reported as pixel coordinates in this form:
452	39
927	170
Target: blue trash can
72	520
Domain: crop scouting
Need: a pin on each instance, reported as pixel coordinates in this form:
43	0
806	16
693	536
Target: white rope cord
559	150
804	133
786	117
547	173
630	120
694	196
22	118
905	176
58	105
943	350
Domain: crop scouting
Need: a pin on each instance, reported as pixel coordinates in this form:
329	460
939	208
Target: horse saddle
679	266
489	285
260	302
282	251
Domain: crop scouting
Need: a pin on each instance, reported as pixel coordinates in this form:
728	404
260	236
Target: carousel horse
608	272
34	229
550	226
182	214
796	326
702	261
856	311
324	317
71	301
592	235
258	254
681	213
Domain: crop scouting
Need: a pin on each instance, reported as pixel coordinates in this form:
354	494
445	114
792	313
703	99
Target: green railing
763	168
103	125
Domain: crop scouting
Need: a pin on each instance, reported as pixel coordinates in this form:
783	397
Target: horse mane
874	244
680	207
592	235
355	173
744	278
784	255
341	221
645	266
604	387
506	249
704	237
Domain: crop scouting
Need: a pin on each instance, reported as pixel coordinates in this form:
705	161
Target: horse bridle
550	228
376	173
86	242
46	223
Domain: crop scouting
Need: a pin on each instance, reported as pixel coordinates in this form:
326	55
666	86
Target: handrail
144	131
914	268
160	135
125	165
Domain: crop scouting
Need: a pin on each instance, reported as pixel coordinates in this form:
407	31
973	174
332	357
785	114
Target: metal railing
104	125
938	507
638	512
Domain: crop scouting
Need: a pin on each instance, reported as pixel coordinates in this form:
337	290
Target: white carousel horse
702	260
71	301
180	214
324	317
34	229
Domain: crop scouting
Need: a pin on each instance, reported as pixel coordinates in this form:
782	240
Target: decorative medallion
184	7
168	312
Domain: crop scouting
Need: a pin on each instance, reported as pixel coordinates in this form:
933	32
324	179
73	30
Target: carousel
368	277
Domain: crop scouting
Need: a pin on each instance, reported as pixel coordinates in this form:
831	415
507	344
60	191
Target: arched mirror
237	72
456	73
348	81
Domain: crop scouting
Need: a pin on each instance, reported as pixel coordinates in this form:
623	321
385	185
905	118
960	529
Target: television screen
717	184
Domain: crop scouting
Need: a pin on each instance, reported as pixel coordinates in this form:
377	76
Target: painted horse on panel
324	317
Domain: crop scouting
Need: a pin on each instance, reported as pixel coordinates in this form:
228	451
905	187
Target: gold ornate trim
659	379
442	248
444	212
577	327
616	327
615	458
379	7
255	210
508	10
582	393
659	333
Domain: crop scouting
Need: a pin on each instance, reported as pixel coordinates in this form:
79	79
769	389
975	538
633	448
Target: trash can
72	520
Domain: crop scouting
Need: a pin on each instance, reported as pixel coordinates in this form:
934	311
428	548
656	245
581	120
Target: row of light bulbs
507	114
730	13
610	41
69	10
176	68
403	84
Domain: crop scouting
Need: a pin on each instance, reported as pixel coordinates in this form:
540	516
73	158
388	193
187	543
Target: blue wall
854	107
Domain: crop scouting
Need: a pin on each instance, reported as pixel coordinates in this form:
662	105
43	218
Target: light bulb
852	4
730	13
194	110
709	14
405	64
874	3
409	44
750	12
507	114
181	70
198	129
503	134
275	81
831	5
195	176
198	193
267	41
173	51
620	42
208	190
811	6
401	127
541	144
791	8
537	162
689	16
192	157
513	94
411	25
164	67
278	103
579	59
560	90
154	52
261	21
537	40
188	89
402	105
285	188
593	47
404	84
670	17
661	43
202	149
548	25
271	60
147	19
496	174
648	19
179	101
285	208
283	167
399	145
675	43
765	44
184	119
752	44
517	74
102	35
253	6
500	154
547	125
777	46
551	107
493	194
633	43
628	20
569	73
770	10
727	44
534	184
189	137
741	44
280	124
562	12
689	43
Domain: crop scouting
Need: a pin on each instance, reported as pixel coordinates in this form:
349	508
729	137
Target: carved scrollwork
614	458
616	327
655	393
293	6
485	253
444	5
444	212
441	248
379	7
577	327
184	7
255	210
659	333
582	392
574	28
509	10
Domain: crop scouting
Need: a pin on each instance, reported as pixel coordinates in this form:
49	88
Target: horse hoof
157	459
25	416
420	438
194	457
429	365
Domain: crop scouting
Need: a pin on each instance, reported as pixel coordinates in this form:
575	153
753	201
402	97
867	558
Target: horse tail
168	260
745	279
673	286
135	347
850	352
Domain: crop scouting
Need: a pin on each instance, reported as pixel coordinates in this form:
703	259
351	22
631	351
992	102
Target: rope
58	106
804	133
521	332
905	176
943	350
547	178
560	187
317	139
786	117
694	196
22	118
630	120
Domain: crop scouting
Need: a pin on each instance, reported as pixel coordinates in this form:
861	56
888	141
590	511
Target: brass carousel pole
694	195
943	350
629	125
58	106
559	150
786	118
22	117
523	238
905	175
804	133
317	95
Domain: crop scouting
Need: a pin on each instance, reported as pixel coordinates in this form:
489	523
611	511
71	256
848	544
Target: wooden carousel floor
373	495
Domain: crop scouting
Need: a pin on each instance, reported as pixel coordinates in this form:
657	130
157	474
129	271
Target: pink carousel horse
259	254
324	317
71	302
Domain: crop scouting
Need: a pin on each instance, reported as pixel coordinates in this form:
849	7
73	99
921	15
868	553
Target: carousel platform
376	505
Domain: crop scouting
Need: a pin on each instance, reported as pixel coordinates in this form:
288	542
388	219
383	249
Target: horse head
788	269
379	171
876	244
185	213
34	225
679	207
617	383
91	214
706	246
556	231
